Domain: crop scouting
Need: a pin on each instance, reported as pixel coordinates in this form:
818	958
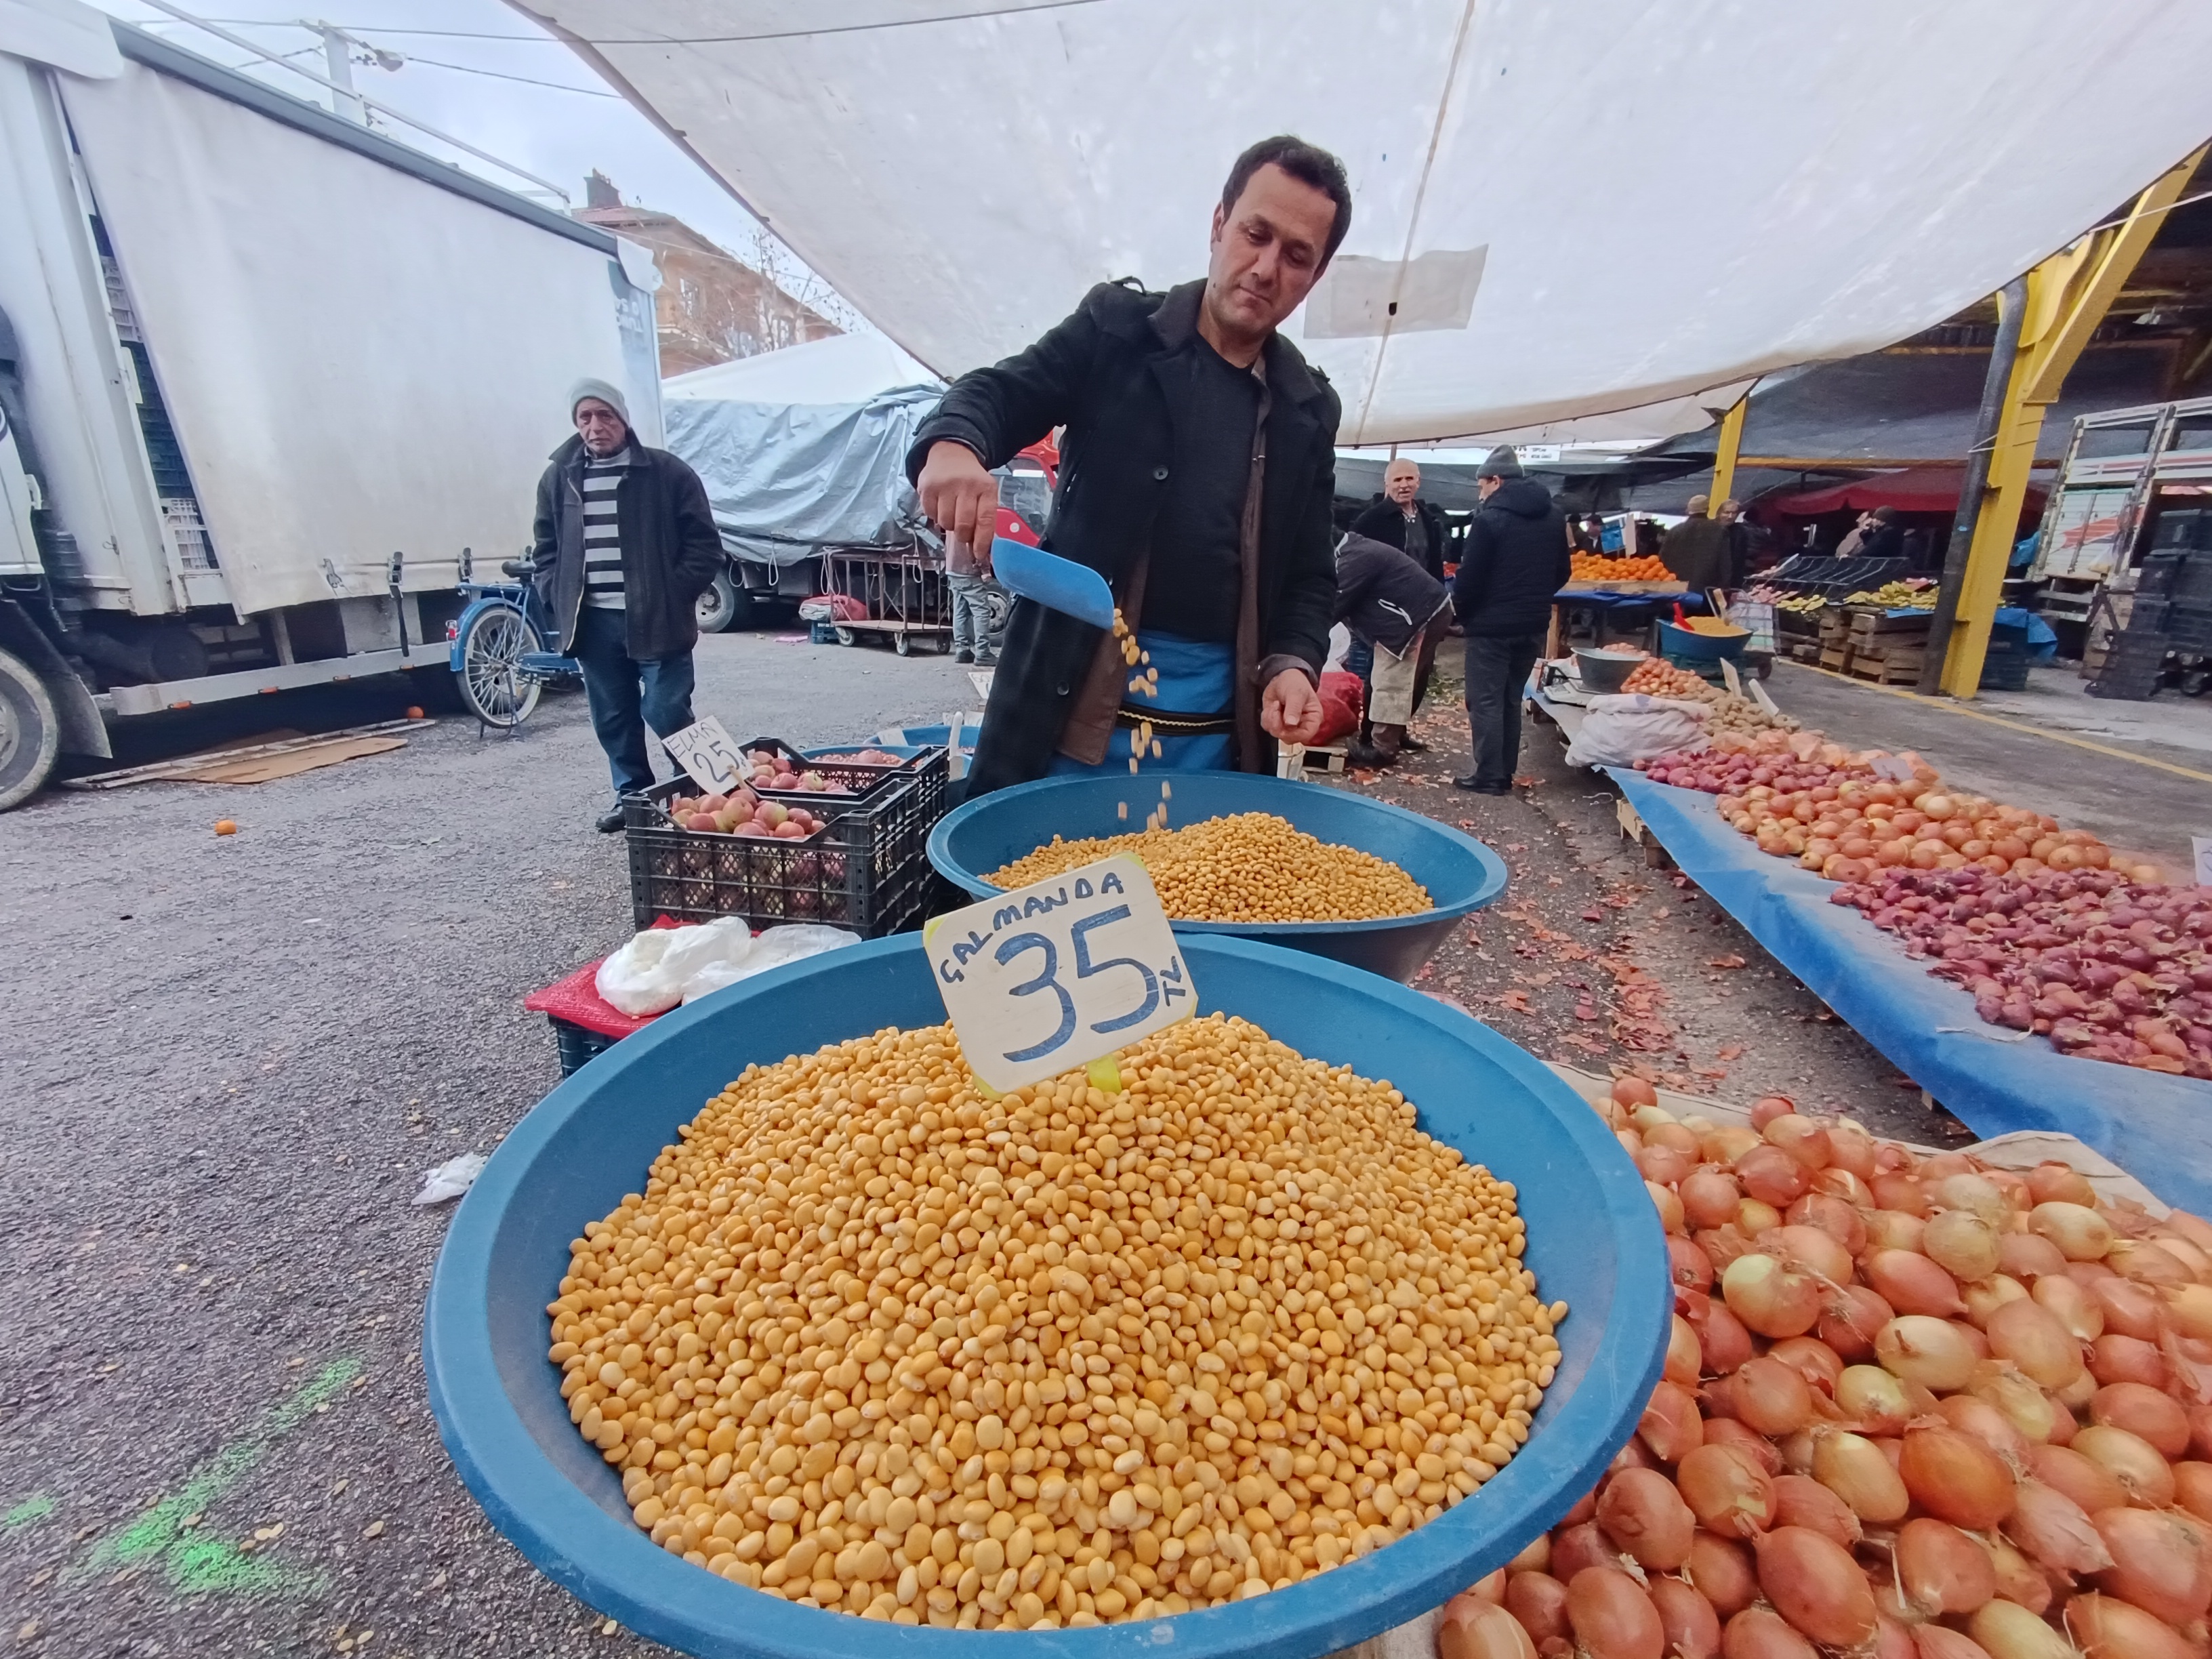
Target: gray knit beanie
605	394
1500	463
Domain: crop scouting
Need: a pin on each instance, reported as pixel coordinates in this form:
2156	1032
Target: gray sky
485	73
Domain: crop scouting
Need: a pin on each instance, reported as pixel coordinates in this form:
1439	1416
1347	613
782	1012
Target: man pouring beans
1197	470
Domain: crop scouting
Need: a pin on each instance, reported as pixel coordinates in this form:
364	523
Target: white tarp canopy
844	368
1575	209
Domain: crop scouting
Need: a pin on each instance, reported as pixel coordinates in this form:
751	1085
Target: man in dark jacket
624	545
1696	549
1514	558
1400	517
1196	474
1386	599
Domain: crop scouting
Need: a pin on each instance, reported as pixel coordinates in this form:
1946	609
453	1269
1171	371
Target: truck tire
724	605
30	733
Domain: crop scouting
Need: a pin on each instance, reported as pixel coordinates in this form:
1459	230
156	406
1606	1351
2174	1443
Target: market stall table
2157	1126
1639	600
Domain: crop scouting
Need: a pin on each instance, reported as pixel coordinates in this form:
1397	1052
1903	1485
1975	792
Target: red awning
1914	489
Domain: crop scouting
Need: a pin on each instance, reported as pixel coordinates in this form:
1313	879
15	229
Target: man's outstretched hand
1290	709
960	496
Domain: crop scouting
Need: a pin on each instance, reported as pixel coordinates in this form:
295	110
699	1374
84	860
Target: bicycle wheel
491	682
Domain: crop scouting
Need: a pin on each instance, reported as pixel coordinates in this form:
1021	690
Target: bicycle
502	656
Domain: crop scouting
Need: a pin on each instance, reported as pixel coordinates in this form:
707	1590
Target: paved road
229	1062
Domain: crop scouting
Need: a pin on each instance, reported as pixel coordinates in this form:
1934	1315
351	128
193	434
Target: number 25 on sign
1047	978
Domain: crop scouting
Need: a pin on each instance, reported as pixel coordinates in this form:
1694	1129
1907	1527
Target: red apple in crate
701	820
791	830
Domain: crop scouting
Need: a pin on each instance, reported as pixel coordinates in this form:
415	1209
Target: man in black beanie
1515	559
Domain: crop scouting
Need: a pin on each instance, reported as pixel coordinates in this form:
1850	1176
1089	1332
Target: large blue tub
1461	873
1594	1239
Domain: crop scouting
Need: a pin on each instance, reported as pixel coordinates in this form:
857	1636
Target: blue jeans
627	695
971	614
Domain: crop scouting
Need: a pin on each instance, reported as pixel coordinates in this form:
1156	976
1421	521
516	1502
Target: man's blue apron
1192	713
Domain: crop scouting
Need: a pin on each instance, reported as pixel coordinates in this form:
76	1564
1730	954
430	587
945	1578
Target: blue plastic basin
1461	873
1593	1240
1691	645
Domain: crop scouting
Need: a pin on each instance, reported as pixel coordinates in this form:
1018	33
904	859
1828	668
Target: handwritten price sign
705	750
1050	977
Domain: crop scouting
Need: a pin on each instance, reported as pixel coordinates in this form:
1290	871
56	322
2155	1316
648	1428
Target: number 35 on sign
1047	978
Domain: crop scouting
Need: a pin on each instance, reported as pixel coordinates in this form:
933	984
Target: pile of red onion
1784	761
2107	968
1913	1409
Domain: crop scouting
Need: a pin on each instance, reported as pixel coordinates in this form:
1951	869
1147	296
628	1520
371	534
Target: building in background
711	306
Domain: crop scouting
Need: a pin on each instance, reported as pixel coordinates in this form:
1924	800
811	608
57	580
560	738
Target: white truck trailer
269	382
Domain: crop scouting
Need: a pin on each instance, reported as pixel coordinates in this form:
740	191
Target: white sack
1620	731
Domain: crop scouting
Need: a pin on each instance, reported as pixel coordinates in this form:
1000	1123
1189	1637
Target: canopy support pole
1724	457
2067	295
1973	486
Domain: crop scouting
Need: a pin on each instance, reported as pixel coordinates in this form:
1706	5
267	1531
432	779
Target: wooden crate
1867	623
1895	666
1633	829
1836	656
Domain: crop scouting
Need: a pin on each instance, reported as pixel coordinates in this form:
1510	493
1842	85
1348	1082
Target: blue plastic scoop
1055	583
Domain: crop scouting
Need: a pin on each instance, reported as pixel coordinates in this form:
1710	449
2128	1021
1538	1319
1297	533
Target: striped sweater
603	567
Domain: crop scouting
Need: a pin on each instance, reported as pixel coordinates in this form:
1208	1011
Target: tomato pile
1913	1409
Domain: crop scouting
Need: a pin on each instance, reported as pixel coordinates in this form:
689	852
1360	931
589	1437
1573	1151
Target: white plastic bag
1620	731
790	943
647	975
450	1179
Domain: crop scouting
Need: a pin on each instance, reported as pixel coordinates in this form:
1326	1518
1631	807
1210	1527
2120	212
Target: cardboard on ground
1047	978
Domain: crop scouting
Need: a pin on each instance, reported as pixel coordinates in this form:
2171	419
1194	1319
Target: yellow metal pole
1731	445
2067	295
1990	552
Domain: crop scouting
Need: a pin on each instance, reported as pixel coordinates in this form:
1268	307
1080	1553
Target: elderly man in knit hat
624	545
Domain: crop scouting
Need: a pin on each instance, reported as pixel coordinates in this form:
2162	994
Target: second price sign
1047	978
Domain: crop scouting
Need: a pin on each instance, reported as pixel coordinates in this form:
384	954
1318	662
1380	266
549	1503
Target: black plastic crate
2005	662
867	870
1834	578
578	1044
2189	625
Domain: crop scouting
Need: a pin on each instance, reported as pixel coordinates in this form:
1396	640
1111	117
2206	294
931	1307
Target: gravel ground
1596	960
234	1059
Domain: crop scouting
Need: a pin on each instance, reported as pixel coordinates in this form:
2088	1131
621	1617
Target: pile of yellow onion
1912	1409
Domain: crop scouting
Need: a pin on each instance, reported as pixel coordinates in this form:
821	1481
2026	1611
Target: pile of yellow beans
1247	866
875	1340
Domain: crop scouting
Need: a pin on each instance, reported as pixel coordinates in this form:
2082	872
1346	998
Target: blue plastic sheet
2159	1128
1607	599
